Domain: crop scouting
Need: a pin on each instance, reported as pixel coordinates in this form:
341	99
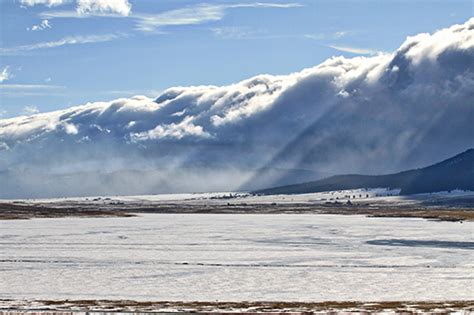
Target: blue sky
59	53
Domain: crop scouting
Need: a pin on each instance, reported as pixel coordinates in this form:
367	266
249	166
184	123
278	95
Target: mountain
454	173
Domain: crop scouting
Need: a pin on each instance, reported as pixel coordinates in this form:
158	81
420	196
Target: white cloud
70	40
185	16
374	114
5	74
172	131
70	129
122	7
86	7
49	3
198	14
30	110
354	50
42	26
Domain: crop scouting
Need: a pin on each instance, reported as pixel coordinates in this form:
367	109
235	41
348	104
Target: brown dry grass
407	307
10	211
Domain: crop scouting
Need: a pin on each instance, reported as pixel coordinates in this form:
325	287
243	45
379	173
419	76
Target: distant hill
454	173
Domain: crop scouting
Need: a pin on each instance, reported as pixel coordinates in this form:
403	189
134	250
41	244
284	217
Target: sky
56	54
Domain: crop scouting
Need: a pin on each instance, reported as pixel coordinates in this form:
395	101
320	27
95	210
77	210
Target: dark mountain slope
454	173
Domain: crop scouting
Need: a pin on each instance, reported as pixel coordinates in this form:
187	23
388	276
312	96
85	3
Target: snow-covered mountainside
372	115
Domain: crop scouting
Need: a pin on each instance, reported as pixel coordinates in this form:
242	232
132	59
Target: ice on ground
236	257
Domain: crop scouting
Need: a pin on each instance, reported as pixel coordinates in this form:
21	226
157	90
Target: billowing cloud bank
365	114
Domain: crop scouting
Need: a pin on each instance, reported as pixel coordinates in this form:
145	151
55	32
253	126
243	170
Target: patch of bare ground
441	214
24	210
10	211
405	307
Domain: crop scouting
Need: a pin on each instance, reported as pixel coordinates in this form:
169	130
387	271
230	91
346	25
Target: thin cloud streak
65	14
23	93
354	50
184	16
198	14
70	40
328	36
236	32
189	15
22	90
246	33
29	86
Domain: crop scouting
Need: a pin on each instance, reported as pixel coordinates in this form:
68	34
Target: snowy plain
234	257
371	195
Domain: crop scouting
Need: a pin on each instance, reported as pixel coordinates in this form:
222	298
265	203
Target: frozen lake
236	257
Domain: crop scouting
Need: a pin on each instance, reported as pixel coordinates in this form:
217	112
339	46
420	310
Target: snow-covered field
372	195
236	257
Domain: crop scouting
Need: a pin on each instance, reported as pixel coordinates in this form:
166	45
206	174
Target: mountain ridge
456	172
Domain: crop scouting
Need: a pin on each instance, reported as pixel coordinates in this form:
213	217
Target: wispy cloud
354	50
185	16
5	74
71	14
70	40
42	26
189	15
198	14
317	36
339	34
322	36
334	36
245	33
30	110
29	86
21	90
236	32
